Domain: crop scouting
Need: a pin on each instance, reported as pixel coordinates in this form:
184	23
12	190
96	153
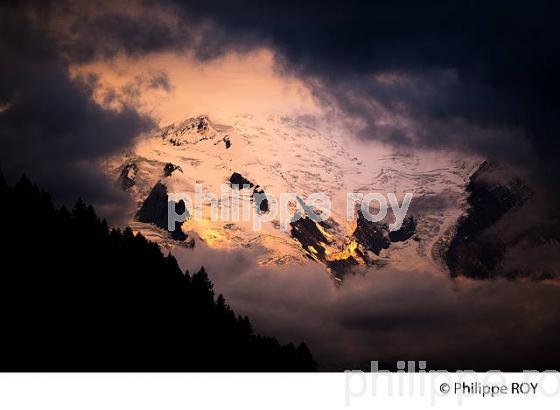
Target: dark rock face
202	124
305	231
154	208
127	176
240	180
341	266
405	232
475	251
154	211
178	233
368	235
263	205
227	141
312	240
169	168
371	235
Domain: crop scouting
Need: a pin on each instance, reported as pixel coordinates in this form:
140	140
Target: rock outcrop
238	180
405	232
372	236
169	168
127	177
477	250
154	211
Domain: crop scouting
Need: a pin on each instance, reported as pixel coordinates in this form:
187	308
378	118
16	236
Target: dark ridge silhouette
154	211
79	296
474	250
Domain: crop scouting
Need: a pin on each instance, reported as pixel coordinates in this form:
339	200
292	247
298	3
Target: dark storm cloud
472	75
87	31
51	128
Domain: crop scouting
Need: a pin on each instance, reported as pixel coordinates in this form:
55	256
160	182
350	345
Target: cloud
390	314
477	76
52	129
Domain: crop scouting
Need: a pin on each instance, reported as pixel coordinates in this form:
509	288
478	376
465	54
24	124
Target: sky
81	81
229	85
474	76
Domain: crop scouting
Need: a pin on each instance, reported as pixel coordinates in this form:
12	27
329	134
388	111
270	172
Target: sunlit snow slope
281	154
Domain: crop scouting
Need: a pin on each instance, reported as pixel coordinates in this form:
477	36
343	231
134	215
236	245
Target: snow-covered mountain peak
281	154
192	131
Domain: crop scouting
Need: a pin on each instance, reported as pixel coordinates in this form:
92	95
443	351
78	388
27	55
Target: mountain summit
289	155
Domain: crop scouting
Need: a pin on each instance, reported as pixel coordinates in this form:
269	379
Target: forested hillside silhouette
79	296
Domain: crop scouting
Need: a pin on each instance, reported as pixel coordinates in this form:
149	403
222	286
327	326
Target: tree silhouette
78	296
